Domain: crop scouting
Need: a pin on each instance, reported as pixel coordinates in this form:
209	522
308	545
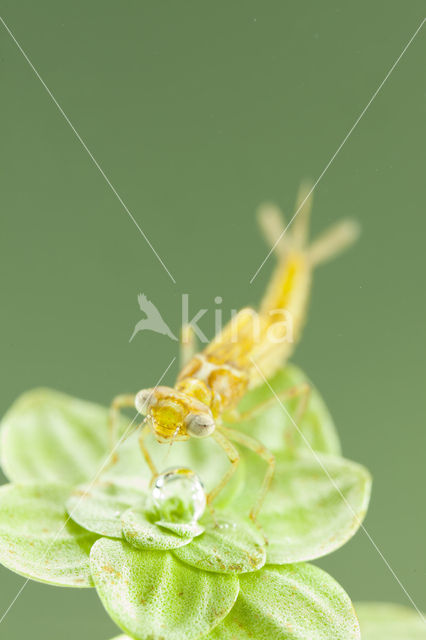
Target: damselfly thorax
248	351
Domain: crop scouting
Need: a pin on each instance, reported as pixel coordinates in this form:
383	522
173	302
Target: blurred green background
199	111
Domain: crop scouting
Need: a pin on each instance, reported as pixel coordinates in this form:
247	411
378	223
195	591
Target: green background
199	111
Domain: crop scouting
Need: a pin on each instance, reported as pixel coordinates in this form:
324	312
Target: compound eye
200	425
144	400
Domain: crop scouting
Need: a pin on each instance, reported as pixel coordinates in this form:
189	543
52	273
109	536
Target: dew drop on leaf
178	495
225	525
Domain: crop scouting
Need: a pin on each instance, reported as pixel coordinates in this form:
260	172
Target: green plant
386	621
63	523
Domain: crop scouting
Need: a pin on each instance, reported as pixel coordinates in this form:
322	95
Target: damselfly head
174	415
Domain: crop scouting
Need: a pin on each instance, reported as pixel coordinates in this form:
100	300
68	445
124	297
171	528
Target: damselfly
244	354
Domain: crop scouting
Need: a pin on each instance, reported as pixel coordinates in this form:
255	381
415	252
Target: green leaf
295	602
51	437
313	507
233	545
37	538
152	596
98	506
386	621
183	529
378	621
272	425
142	533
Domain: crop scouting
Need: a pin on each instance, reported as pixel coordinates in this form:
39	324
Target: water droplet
178	495
223	524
